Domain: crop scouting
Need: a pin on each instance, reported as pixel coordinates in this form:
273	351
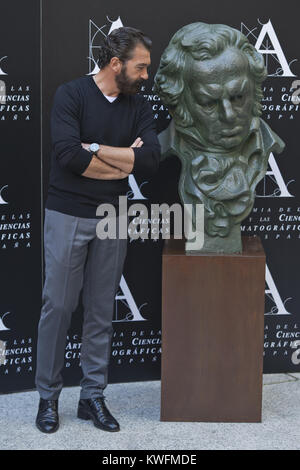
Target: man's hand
137	143
85	146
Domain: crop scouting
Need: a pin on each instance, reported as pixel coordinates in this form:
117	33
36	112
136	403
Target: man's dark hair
121	43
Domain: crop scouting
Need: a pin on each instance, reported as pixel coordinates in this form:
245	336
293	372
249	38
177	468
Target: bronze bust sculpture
210	79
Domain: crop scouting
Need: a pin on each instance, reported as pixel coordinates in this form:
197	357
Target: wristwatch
94	148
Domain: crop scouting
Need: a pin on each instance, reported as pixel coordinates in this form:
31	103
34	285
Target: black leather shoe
95	409
47	418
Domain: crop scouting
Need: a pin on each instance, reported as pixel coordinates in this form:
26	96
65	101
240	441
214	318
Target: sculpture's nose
229	114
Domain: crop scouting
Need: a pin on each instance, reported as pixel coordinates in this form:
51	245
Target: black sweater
81	113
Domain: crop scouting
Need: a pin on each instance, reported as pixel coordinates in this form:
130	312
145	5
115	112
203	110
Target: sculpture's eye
237	98
210	178
208	105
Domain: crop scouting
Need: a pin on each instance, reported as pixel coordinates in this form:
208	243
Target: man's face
134	71
221	97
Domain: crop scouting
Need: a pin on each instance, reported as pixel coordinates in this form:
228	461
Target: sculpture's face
220	98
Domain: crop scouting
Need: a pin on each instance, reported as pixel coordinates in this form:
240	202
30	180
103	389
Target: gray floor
137	408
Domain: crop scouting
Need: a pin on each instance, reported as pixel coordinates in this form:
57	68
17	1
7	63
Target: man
102	131
210	79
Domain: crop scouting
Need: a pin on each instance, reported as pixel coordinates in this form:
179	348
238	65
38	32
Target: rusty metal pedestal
212	334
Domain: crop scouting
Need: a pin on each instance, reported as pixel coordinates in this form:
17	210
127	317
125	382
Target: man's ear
115	64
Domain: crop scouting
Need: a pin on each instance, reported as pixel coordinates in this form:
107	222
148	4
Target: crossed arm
111	162
140	159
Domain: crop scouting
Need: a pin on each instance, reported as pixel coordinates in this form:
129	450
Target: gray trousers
76	258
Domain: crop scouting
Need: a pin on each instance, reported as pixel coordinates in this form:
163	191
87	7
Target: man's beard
125	84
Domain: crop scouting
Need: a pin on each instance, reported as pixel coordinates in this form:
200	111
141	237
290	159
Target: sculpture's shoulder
167	141
271	141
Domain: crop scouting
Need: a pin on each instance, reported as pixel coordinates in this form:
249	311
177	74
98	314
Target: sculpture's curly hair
202	41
